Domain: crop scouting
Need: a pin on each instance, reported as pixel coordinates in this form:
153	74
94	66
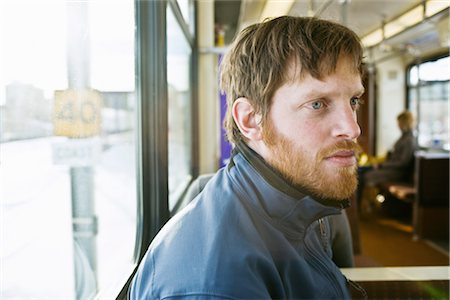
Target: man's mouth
343	158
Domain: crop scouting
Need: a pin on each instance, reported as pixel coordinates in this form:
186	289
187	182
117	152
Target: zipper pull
323	234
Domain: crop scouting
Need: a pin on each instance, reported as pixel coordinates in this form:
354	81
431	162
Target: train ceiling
363	16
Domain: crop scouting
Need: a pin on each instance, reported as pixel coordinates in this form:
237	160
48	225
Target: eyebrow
360	92
318	94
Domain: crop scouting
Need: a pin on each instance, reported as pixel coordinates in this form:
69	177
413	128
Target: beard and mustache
312	174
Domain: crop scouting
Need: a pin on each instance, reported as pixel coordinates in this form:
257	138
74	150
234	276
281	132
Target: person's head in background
293	86
405	121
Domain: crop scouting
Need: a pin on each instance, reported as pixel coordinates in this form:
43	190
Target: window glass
429	98
180	130
413	76
186	7
67	148
438	70
435	70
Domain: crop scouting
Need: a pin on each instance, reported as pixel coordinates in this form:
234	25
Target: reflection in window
428	94
180	136
67	147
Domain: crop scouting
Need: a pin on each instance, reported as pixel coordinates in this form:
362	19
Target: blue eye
355	102
317	105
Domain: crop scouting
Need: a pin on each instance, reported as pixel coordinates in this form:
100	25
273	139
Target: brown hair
255	65
405	121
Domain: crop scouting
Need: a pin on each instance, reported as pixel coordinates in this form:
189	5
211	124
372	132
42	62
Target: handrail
424	273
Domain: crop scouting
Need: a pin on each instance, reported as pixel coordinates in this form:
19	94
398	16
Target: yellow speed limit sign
77	113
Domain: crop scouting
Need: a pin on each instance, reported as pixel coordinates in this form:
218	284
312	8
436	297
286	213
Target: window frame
192	41
152	106
152	153
420	84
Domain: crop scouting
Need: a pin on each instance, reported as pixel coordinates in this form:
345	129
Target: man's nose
346	125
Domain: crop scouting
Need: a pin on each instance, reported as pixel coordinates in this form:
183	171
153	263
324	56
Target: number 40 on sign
77	113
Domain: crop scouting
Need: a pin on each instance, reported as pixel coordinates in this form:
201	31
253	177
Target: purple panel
225	146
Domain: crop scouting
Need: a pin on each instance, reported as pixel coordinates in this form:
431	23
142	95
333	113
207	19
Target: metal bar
181	21
151	77
322	8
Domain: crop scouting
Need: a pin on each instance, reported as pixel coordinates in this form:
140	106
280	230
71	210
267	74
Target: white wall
391	101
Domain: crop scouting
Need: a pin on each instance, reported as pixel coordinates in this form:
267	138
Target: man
258	229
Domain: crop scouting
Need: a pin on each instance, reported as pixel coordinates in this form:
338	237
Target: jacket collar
274	178
291	207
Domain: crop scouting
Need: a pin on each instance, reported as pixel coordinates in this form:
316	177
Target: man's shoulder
200	272
203	249
203	262
208	221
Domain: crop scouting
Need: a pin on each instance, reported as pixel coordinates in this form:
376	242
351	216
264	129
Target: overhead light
276	8
435	6
405	21
373	38
408	19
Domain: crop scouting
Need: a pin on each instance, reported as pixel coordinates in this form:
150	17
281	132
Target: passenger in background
399	162
398	166
258	229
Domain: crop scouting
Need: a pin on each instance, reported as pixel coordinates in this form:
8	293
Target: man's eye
355	101
317	105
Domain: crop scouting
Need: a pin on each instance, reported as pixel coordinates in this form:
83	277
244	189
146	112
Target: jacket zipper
323	234
320	265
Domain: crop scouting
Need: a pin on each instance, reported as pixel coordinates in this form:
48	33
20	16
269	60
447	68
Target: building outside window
428	95
67	147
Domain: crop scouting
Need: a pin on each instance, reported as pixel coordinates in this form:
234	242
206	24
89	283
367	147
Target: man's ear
246	119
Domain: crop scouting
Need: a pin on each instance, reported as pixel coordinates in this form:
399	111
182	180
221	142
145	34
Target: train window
428	94
67	148
179	94
187	8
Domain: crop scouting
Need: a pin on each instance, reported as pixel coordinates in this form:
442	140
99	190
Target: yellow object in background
363	160
366	160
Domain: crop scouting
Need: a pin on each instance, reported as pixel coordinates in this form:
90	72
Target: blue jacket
247	235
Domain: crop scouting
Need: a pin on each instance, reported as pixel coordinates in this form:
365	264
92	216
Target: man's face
311	131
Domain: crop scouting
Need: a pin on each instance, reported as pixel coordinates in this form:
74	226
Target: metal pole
418	87
372	113
344	11
82	186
